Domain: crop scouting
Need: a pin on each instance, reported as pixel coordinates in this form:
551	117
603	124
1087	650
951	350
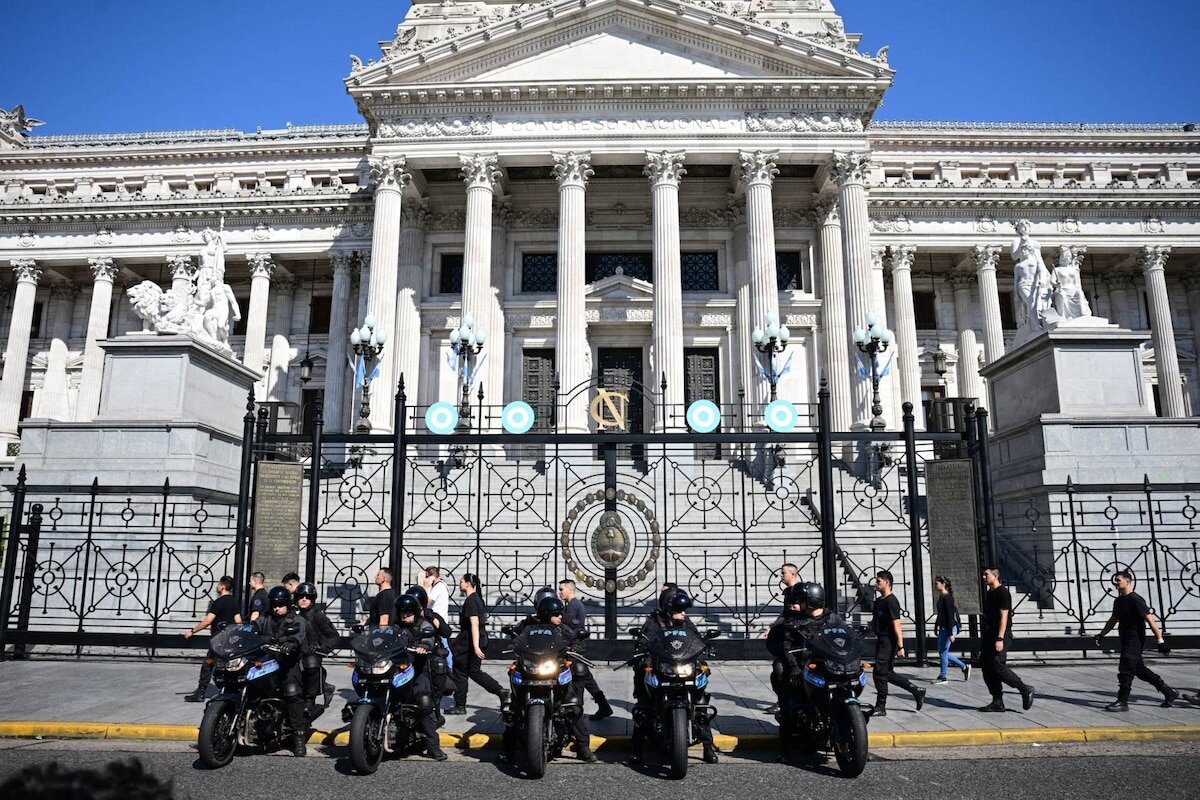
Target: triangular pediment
620	288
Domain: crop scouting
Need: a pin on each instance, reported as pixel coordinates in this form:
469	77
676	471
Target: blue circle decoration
781	416
517	417
703	416
441	418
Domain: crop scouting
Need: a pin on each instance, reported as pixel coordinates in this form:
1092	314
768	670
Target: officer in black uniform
1131	613
221	613
322	637
423	639
889	644
995	639
286	631
258	596
575	616
439	666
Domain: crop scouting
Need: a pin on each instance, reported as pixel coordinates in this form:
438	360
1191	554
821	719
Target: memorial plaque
953	550
278	500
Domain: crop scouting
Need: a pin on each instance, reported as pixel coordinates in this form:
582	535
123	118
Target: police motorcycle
545	706
386	716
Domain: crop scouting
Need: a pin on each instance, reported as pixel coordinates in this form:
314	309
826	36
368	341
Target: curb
727	743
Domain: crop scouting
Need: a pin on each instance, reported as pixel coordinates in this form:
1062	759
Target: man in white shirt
439	597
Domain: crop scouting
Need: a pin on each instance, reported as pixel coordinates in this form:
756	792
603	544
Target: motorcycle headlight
232	665
376	668
677	670
545	668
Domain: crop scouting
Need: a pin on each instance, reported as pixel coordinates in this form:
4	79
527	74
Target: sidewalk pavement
127	696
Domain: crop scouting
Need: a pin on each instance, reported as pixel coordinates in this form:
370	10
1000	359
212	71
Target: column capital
986	257
103	268
877	254
572	168
903	257
341	261
1119	277
758	168
1190	281
851	167
1072	254
1153	258
27	270
60	290
180	266
283	282
664	167
480	170
261	265
735	209
415	213
364	260
961	280
825	210
388	173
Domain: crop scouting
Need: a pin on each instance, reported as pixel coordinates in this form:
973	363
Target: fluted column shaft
496	390
1153	260
480	172
16	354
742	343
389	178
88	403
850	170
908	362
572	353
986	258
414	219
664	170
835	328
969	382
334	401
261	267
758	170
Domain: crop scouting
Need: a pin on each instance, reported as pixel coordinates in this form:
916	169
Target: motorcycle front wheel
366	739
850	739
679	743
535	740
218	737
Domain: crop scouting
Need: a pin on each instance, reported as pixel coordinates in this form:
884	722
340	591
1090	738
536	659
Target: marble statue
15	123
1032	283
1069	300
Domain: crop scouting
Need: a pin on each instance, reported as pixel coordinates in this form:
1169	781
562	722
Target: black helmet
407	604
305	589
279	596
814	595
549	607
678	602
542	594
419	593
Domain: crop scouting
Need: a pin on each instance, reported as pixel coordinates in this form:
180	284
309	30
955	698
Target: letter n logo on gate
610	409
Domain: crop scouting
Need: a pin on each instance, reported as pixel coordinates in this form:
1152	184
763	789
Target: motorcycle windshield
236	641
677	645
539	641
837	645
376	644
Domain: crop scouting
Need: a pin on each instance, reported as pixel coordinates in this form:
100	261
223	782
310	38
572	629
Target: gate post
31	550
314	497
914	531
610	572
243	508
11	548
985	485
399	477
825	484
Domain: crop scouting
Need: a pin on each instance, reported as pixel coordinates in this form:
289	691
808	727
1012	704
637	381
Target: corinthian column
16	355
985	258
850	171
1153	259
494	367
666	357
414	219
969	382
757	171
334	402
572	354
480	172
1191	285
743	345
88	404
181	274
389	178
261	267
835	329
907	361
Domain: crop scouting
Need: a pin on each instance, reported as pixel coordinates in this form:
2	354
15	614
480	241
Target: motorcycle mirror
635	631
584	635
508	630
711	634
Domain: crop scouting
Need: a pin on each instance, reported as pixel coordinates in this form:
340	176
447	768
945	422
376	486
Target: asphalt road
1092	771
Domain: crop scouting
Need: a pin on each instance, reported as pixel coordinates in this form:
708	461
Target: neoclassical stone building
612	189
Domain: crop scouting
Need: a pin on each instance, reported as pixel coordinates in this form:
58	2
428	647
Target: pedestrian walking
1131	615
947	630
468	647
995	639
575	618
435	588
222	612
382	605
258	595
889	644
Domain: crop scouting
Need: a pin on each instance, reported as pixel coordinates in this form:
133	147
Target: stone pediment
620	288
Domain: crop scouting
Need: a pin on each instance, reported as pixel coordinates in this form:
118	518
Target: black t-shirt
258	602
383	603
471	607
1131	611
224	608
887	609
995	601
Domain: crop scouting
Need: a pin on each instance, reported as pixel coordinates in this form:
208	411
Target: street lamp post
772	338
467	343
871	342
368	344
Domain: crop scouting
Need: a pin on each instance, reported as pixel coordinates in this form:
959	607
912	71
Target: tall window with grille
699	272
789	271
539	273
598	266
450	273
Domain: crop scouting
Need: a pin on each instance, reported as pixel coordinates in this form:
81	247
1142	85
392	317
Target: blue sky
122	65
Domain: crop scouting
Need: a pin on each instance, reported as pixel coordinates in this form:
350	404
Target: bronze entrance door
701	370
619	369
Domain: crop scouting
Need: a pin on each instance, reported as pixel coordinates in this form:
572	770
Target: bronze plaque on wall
278	500
953	550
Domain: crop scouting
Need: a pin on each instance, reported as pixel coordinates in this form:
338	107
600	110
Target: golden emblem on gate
610	409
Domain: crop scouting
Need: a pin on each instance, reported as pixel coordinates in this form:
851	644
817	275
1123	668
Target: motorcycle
832	677
676	678
544	702
386	716
249	710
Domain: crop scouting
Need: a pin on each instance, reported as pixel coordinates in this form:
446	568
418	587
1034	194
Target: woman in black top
947	629
468	647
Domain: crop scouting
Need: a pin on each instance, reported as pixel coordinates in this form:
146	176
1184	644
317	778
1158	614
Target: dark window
789	270
35	326
925	311
1008	317
539	272
451	273
598	266
537	386
699	272
318	320
27	405
1154	393
701	381
309	400
239	327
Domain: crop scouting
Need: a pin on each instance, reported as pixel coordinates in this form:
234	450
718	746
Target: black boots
919	696
1117	705
1027	698
603	709
196	696
585	754
710	753
298	745
1169	696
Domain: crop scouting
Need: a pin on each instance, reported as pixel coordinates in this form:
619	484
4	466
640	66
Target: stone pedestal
170	408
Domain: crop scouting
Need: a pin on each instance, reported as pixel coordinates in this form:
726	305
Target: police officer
439	664
995	638
423	639
1131	614
322	637
286	631
221	613
258	595
575	617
